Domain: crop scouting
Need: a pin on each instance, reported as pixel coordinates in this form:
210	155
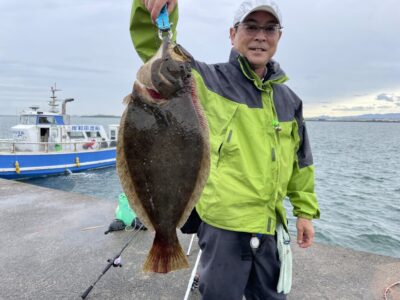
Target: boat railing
13	146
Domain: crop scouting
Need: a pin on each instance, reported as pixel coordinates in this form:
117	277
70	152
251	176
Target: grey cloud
360	95
17	87
12	64
85	46
384	97
37	5
388	97
384	106
354	108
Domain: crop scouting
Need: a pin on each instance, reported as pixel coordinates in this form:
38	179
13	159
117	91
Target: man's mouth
258	49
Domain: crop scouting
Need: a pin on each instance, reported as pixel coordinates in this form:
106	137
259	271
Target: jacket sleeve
301	185
144	33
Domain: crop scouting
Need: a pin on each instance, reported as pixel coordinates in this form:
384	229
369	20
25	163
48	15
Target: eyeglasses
271	30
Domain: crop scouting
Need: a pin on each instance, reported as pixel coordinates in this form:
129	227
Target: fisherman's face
257	46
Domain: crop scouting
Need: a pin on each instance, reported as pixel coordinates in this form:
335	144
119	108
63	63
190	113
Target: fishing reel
115	262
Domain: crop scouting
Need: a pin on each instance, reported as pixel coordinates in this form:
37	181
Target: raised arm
155	6
144	32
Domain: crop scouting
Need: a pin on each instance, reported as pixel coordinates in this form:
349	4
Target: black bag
115	226
136	224
192	224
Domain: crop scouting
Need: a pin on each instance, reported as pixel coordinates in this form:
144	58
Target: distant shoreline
352	120
83	116
306	119
98	116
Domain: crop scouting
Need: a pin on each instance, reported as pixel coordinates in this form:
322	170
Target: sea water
357	182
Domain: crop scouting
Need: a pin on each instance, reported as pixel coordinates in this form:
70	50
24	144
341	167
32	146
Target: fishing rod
193	280
115	262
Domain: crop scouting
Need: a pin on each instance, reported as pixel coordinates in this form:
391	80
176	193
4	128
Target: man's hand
155	6
305	232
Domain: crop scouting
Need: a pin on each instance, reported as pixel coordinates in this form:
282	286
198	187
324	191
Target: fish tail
165	255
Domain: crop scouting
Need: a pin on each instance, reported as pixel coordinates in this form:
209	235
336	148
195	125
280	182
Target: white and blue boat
45	143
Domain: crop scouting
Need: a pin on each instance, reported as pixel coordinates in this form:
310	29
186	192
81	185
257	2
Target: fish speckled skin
163	152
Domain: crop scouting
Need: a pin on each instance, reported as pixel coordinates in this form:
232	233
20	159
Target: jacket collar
274	70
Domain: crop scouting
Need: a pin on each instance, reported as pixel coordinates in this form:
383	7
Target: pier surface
53	246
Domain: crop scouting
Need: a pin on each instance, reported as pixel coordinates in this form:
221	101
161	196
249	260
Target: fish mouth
154	94
149	94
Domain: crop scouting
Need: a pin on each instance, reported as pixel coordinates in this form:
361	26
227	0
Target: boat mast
53	102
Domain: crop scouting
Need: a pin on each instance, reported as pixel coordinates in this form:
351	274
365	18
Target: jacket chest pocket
229	142
286	133
229	145
288	144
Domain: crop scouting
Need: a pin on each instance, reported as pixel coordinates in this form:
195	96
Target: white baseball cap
249	6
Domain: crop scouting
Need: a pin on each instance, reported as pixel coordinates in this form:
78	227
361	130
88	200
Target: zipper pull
275	123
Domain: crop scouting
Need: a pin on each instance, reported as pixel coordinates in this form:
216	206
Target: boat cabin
51	132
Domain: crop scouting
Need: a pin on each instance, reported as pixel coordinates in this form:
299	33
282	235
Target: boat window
112	134
90	134
46	120
59	120
76	135
28	120
66	119
93	134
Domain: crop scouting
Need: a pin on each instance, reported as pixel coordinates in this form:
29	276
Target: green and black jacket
260	151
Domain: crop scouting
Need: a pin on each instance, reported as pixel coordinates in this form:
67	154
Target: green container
123	211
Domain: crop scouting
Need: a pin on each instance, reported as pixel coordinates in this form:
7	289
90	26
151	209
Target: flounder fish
163	153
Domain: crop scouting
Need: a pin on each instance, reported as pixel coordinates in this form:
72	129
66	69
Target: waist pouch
192	224
285	257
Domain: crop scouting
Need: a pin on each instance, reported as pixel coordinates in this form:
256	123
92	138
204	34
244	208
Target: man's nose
261	35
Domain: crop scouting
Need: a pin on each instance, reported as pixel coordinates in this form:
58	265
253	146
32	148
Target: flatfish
163	153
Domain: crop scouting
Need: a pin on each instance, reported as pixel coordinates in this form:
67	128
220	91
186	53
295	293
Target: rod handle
86	293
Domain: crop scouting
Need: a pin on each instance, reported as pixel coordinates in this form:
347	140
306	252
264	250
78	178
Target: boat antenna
53	102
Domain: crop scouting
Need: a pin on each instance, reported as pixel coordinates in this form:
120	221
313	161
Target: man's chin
257	63
257	57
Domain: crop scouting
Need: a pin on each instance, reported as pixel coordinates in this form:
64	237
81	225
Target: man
259	153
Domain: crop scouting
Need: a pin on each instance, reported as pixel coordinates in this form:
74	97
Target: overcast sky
342	57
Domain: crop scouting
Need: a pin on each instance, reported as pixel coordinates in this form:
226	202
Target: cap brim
265	8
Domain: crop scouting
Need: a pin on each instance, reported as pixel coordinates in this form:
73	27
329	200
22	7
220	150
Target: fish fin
127	99
205	161
165	255
125	178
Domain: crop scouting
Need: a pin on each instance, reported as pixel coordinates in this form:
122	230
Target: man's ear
232	34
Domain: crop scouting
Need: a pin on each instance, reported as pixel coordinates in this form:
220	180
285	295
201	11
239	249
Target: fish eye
177	50
182	53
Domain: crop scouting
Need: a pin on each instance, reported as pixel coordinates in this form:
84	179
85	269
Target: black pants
229	268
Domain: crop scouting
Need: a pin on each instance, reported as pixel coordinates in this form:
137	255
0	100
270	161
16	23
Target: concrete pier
53	246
